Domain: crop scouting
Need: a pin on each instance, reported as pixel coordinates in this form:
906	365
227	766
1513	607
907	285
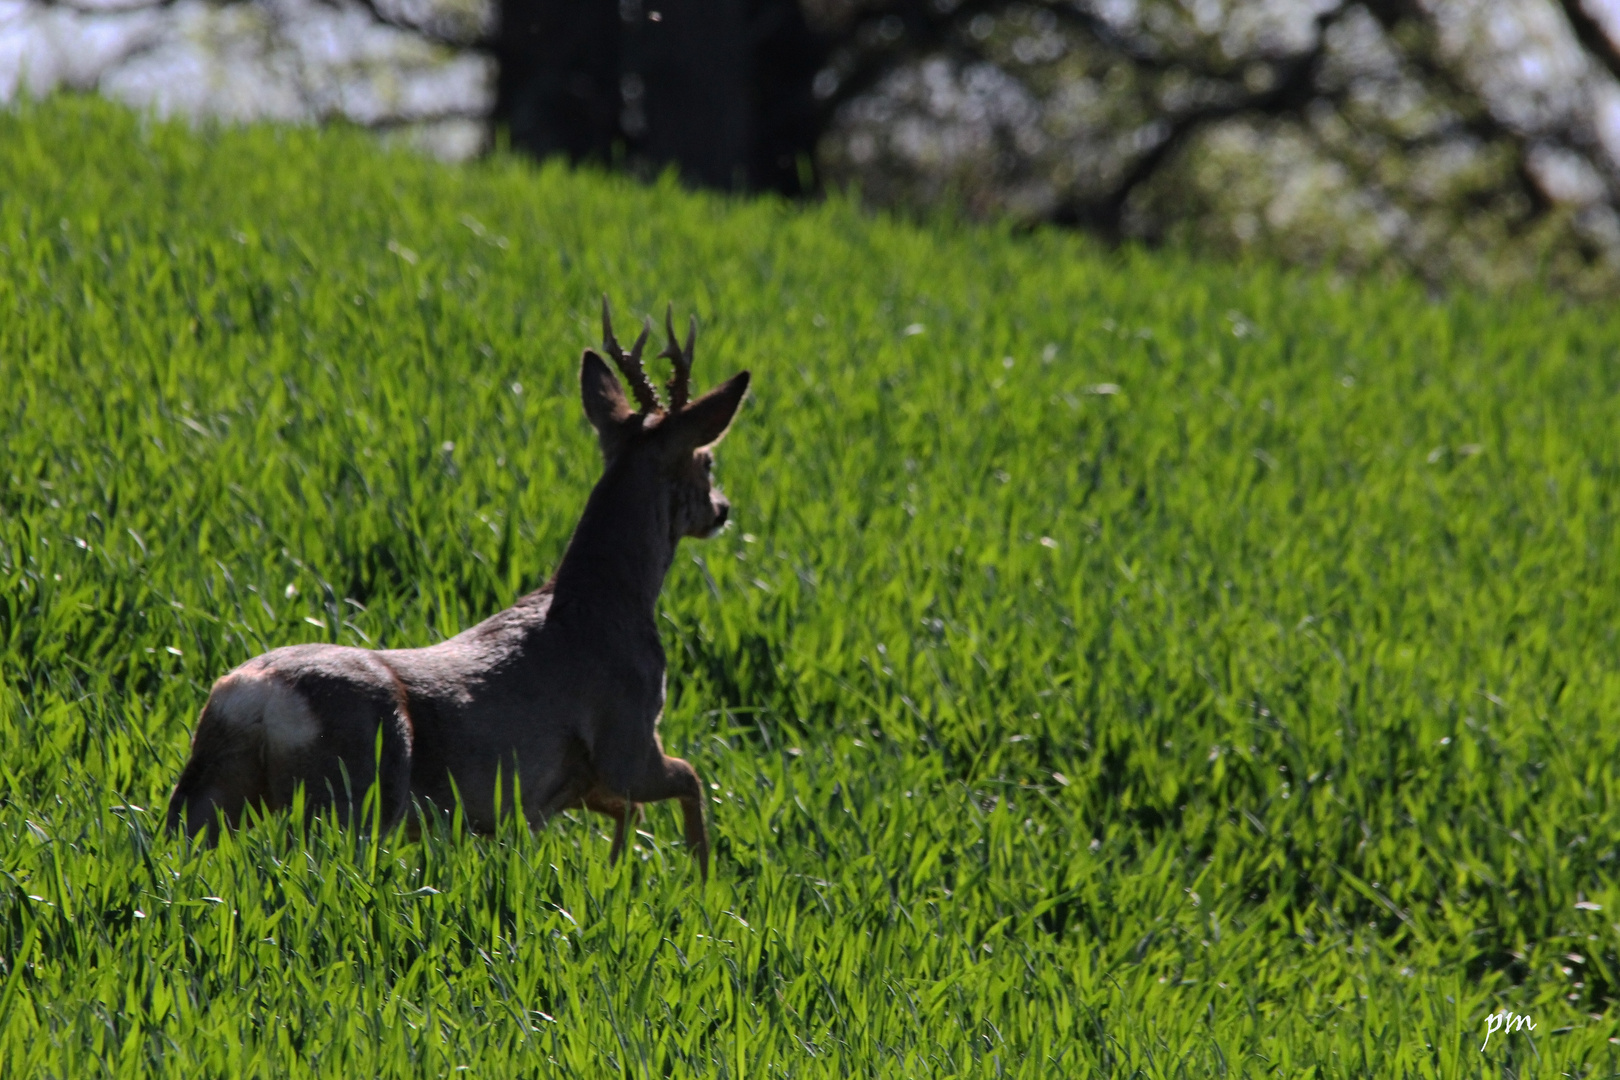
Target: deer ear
706	419
605	405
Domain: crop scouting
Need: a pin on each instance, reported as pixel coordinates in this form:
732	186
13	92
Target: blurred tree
412	69
1472	138
1478	138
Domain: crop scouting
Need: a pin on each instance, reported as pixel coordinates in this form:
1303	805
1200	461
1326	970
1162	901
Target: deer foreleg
621	826
697	833
620	809
672	778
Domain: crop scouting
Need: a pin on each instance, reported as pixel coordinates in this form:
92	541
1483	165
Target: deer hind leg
342	781
251	718
263	733
366	739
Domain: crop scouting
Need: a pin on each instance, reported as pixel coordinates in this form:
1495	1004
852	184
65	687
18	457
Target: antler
630	365
680	382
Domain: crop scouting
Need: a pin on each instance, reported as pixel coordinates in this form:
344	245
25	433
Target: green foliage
1121	664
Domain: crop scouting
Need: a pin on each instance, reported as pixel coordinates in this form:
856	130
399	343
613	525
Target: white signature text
1507	1023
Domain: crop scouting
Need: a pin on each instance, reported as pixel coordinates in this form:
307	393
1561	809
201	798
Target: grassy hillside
1120	665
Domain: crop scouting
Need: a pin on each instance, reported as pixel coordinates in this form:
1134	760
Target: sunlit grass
1120	664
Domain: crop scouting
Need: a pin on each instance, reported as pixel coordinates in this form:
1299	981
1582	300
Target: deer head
673	443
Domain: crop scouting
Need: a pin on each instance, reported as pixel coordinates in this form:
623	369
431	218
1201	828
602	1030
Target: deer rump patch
256	702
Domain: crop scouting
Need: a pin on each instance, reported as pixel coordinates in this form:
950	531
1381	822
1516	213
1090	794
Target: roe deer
563	690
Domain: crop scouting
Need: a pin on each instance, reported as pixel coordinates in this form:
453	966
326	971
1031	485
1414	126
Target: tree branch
923	30
1292	91
106	9
482	42
1592	35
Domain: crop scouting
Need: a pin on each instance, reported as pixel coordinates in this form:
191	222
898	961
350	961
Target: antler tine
630	365
680	381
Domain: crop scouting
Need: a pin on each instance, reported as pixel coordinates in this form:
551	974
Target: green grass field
1121	665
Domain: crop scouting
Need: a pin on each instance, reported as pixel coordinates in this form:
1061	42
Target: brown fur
562	691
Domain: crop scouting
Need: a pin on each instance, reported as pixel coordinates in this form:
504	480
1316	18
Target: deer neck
621	550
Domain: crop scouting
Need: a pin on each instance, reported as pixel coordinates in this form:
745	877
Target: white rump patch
248	698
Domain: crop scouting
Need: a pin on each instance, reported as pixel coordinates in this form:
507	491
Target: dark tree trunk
557	91
788	121
721	89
